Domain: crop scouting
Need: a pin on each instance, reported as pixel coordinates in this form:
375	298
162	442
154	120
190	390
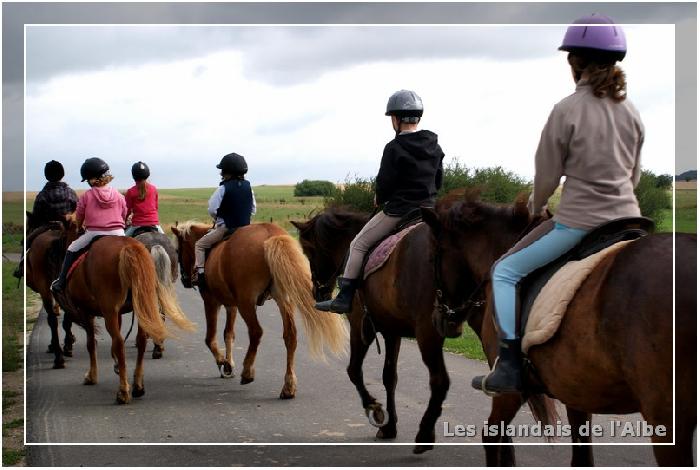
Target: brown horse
614	350
256	262
118	276
43	263
398	301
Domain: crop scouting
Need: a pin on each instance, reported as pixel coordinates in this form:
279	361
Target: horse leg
91	375
112	325
158	348
55	347
430	346
69	339
390	378
503	409
141	340
581	456
289	334
358	351
229	337
211	311
255	332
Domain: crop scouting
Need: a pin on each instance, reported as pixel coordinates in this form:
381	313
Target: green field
686	212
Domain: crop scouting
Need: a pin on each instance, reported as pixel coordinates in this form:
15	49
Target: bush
497	184
664	181
314	188
357	194
652	199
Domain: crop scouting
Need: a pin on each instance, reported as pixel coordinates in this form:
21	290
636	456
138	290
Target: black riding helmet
406	105
140	171
53	171
233	164
93	168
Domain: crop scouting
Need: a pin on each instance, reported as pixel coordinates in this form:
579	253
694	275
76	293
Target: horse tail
544	410
162	262
291	277
137	273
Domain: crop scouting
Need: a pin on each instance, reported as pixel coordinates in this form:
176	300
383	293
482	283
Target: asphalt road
186	402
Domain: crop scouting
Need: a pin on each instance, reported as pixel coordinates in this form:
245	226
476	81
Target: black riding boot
343	302
505	376
59	284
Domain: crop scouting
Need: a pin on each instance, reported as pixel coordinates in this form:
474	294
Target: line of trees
497	185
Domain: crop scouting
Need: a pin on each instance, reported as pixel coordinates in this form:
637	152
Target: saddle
602	237
144	229
81	257
379	252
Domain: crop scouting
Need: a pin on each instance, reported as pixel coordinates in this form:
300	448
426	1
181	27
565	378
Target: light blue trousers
551	241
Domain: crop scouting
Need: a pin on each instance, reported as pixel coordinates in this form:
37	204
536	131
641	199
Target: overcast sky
308	102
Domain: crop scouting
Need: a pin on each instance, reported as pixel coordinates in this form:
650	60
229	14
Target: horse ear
174	229
520	209
296	224
430	217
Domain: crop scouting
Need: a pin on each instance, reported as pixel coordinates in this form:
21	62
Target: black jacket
53	202
410	173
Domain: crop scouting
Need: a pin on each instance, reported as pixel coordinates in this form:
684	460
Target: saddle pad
380	254
75	264
551	304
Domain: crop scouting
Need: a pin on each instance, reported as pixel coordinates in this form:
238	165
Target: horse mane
185	228
463	207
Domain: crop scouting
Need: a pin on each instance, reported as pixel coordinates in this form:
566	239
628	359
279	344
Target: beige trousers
207	241
377	227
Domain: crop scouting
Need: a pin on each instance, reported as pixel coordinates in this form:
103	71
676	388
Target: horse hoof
139	391
59	364
421	448
123	398
157	354
226	370
246	380
377	416
387	432
67	352
89	381
49	350
287	394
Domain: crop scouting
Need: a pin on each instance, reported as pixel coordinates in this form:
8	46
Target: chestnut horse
399	299
256	262
118	276
614	351
43	263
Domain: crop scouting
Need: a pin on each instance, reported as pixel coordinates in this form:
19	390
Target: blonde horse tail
291	277
137	273
166	290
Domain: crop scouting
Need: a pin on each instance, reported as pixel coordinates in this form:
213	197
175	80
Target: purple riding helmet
585	37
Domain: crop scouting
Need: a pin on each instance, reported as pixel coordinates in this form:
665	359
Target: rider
142	201
54	202
231	206
409	177
101	208
594	138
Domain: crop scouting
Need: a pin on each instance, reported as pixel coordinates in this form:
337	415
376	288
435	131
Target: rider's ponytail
606	79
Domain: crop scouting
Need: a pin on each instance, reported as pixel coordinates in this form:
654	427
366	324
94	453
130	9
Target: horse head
187	235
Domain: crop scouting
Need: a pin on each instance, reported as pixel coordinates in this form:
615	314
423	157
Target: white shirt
215	203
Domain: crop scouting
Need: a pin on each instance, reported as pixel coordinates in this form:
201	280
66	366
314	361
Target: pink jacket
102	208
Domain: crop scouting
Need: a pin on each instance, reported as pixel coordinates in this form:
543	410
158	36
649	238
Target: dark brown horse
118	276
399	299
614	350
43	263
256	262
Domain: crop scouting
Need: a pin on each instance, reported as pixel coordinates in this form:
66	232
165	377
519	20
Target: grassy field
12	320
686	211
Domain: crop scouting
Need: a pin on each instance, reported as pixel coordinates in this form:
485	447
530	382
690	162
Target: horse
614	350
117	276
398	301
164	256
257	262
43	263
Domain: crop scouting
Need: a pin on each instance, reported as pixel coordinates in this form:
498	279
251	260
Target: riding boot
343	302
201	281
505	377
59	284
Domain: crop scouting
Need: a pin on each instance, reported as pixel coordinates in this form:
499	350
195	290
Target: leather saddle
144	229
627	228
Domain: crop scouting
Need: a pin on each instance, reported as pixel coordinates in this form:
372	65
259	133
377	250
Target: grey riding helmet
406	105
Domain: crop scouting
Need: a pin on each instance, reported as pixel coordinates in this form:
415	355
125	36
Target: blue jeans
551	240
